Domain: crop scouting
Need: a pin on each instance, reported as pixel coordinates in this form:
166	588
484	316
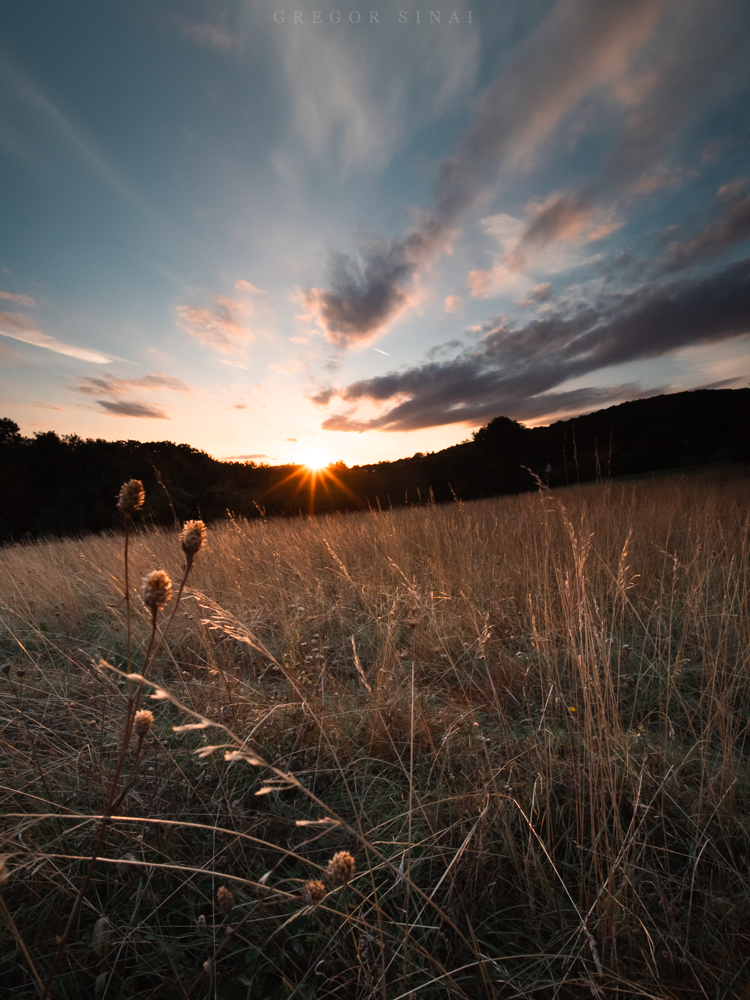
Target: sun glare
315	459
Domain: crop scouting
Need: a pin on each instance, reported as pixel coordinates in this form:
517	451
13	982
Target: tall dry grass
526	719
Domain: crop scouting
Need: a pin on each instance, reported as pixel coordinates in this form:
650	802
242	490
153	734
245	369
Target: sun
315	459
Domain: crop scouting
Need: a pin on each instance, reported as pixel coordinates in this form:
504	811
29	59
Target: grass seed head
4	873
340	868
143	722
192	537
156	589
225	899
131	496
313	893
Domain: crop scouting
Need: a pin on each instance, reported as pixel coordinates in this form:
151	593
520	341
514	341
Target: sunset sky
358	235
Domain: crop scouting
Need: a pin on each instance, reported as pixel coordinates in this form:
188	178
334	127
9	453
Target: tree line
61	486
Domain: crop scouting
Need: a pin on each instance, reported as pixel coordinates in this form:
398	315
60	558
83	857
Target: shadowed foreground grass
526	719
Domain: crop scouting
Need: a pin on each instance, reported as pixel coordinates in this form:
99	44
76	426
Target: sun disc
315	459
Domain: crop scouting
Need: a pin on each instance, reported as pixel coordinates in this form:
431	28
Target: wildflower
131	496
340	868
192	537
225	899
142	722
313	893
156	590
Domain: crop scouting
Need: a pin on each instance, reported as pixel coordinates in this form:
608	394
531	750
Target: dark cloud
515	370
731	227
108	385
581	45
368	290
125	408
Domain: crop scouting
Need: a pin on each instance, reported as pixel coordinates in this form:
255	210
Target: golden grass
526	718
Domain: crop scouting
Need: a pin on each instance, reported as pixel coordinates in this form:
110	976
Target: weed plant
496	749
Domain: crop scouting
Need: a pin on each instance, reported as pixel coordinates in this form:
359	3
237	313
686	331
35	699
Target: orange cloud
223	325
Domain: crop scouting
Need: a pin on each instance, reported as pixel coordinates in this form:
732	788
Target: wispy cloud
357	94
31	107
18	326
582	46
109	385
518	371
731	226
223	325
133	408
21	300
214	36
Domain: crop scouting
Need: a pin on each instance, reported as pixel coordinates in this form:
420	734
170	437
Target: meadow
525	719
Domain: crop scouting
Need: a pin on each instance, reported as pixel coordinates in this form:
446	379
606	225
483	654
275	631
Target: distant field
526	718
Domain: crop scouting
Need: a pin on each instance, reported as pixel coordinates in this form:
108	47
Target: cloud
222	325
518	371
369	290
18	326
734	189
504	276
132	408
21	300
109	390
34	109
698	54
731	227
539	293
244	458
581	46
358	93
452	303
212	36
108	385
246	286
561	217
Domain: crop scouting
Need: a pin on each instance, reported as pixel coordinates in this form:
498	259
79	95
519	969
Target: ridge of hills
62	486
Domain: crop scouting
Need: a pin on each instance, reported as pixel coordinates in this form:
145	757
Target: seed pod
192	537
143	722
225	899
156	590
131	496
340	868
313	893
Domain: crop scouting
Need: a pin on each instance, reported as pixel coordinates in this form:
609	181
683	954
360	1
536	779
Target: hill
62	486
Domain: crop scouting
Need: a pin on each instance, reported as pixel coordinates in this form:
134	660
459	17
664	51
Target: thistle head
340	868
156	590
143	722
313	893
131	496
225	900
192	537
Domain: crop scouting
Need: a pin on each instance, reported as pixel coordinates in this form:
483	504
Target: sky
313	231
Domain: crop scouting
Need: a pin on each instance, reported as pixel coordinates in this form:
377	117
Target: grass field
525	718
